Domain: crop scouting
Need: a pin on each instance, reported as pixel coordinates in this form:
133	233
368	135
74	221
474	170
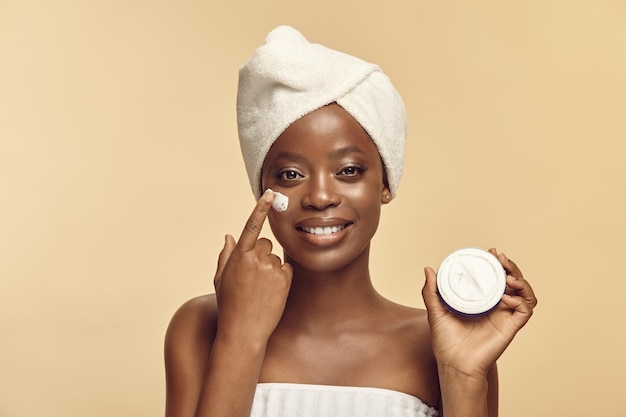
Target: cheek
267	181
365	194
274	220
279	224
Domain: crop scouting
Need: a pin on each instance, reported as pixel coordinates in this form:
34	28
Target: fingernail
268	195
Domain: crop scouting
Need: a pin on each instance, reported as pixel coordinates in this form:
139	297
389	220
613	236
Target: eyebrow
293	156
340	153
336	154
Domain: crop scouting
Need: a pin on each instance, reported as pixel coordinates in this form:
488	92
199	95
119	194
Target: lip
323	231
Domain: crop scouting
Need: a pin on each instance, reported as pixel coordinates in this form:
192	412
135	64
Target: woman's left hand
471	345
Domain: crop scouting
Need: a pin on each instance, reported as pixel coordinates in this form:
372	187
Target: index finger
252	229
510	267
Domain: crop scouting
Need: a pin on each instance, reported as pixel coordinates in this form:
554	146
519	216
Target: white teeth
322	230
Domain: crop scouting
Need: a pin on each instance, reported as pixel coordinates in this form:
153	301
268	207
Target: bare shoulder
407	332
407	352
191	331
409	321
188	342
202	307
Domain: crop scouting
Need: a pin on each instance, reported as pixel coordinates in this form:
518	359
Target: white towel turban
288	77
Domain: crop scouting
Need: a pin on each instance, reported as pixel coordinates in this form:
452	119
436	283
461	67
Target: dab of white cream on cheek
281	201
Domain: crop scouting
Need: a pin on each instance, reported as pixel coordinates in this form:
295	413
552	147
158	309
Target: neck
331	298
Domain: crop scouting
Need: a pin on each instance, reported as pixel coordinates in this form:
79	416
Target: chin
332	261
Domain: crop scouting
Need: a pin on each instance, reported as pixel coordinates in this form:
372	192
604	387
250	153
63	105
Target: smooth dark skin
316	318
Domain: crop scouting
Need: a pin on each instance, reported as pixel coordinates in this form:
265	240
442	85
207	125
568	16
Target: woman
311	336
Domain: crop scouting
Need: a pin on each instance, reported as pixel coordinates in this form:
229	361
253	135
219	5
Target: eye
289	175
351	171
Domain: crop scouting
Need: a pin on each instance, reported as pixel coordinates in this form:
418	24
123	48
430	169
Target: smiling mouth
327	230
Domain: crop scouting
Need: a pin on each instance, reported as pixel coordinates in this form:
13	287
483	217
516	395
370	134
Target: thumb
222	260
429	293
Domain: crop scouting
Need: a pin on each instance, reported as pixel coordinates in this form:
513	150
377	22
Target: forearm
463	395
230	379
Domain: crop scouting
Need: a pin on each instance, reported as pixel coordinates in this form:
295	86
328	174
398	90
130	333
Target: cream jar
471	281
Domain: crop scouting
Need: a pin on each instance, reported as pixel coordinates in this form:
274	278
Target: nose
321	193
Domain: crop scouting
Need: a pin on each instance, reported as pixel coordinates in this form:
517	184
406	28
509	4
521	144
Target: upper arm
188	342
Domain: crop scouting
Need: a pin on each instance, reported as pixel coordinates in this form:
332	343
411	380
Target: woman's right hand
251	283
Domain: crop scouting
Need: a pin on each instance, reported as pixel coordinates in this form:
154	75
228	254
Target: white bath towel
288	77
302	400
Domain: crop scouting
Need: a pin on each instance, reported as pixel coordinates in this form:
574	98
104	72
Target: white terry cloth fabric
303	400
288	77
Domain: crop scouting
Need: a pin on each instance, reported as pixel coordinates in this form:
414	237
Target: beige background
120	173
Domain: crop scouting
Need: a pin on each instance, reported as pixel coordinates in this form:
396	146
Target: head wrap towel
288	77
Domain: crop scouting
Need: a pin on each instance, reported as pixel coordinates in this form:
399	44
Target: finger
521	287
276	260
509	266
229	246
429	293
253	226
288	270
521	310
288	273
264	246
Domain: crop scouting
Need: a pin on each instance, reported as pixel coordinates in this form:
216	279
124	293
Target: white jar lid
471	281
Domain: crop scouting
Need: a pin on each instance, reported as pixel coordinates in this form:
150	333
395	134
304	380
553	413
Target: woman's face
332	173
